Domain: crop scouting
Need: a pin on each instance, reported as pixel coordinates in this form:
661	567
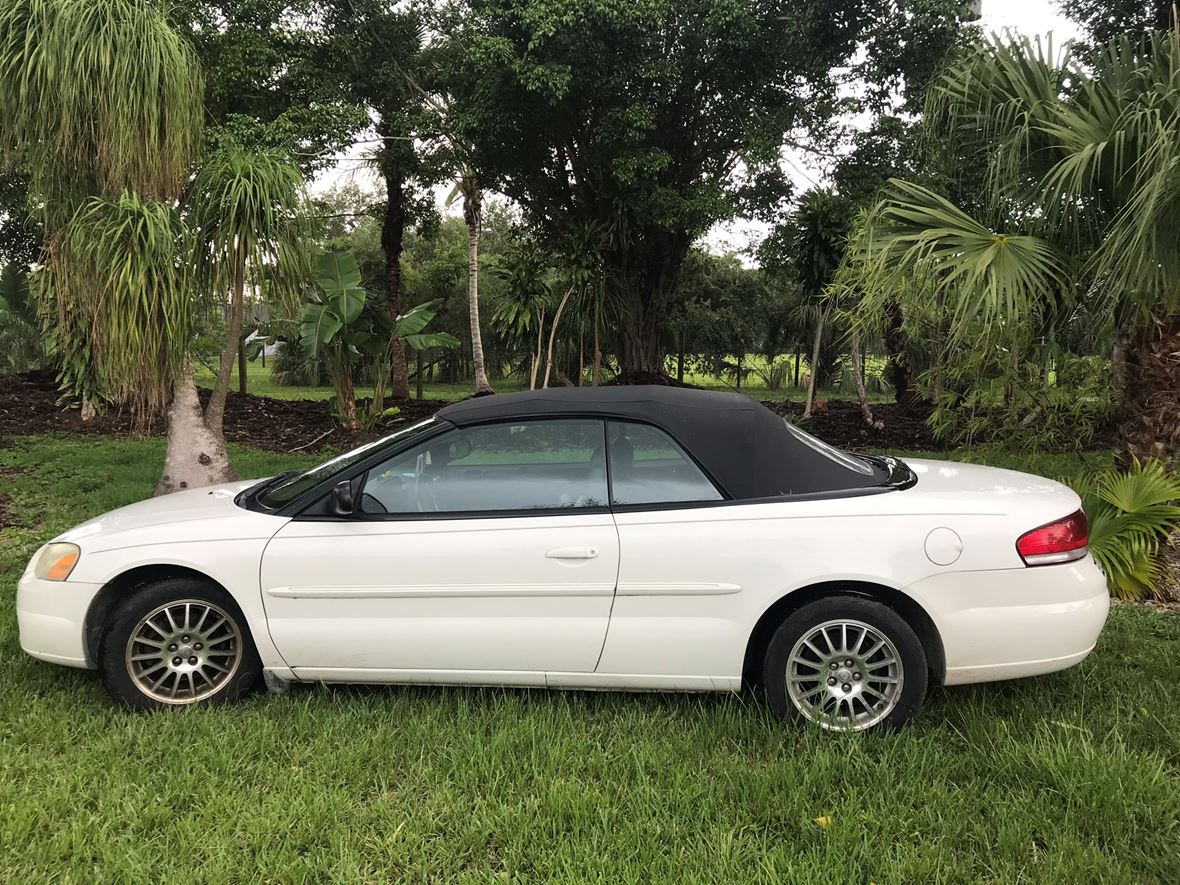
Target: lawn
1071	777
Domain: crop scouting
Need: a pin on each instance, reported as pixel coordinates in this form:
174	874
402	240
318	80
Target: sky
1030	17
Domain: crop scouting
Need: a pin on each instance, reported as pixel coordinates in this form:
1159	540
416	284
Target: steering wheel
424	495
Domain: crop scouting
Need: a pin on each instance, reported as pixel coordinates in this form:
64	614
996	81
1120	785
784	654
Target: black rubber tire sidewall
878	615
112	649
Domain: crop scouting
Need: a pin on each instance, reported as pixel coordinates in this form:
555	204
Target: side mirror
340	498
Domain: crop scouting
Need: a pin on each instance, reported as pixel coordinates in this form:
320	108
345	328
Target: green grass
1066	778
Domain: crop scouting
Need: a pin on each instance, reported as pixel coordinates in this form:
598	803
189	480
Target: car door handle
572	553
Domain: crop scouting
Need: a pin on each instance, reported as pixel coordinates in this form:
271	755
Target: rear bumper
1011	623
51	616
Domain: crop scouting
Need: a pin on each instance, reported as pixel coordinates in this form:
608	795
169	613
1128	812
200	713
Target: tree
656	119
471	193
269	83
374	48
100	110
101	106
1104	20
1081	210
815	238
247	212
20	333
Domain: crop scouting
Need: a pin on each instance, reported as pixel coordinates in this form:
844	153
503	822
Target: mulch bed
840	423
29	404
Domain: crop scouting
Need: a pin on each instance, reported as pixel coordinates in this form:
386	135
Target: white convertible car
609	538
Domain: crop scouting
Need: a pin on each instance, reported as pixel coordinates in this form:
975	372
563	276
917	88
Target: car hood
196	514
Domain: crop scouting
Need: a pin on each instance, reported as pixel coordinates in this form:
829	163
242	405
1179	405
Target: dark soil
840	423
29	404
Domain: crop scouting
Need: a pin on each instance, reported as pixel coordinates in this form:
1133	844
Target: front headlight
56	561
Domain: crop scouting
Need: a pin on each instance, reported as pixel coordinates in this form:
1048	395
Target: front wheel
176	643
846	664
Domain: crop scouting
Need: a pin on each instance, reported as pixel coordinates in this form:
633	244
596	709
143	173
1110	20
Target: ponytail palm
249	216
120	293
1083	197
100	105
97	97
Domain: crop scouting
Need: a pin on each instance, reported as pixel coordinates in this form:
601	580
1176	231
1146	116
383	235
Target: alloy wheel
184	651
844	675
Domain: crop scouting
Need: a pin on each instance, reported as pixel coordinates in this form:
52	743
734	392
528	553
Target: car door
683	563
485	554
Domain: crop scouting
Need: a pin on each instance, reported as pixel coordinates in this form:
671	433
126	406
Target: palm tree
100	105
249	226
468	188
820	232
1082	209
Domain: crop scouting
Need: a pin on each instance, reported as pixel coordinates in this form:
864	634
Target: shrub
1131	513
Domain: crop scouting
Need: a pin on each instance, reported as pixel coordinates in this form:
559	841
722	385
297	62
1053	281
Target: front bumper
1011	623
51	616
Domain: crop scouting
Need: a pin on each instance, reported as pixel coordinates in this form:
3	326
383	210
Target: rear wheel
846	664
177	643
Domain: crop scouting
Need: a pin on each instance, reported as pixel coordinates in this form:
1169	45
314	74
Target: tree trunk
553	335
393	231
1149	413
420	378
473	215
215	410
649	267
242	366
597	356
537	355
639	352
797	357
346	394
858	373
819	335
195	454
898	372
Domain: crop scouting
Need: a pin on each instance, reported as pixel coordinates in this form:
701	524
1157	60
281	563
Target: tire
872	693
203	659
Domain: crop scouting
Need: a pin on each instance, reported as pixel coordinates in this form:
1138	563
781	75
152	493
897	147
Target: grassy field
1073	777
259	381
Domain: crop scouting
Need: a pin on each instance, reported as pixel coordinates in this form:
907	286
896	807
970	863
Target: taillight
1060	541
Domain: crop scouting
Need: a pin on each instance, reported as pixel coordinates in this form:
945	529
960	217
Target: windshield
288	488
844	459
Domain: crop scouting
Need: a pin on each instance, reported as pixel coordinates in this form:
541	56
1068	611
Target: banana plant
347	327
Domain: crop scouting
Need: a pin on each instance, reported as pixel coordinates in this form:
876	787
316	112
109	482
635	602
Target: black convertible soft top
746	448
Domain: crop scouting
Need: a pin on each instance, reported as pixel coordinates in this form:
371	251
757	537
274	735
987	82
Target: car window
286	489
844	459
648	467
554	464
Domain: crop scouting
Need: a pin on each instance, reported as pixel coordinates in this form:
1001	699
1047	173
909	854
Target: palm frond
1131	513
249	211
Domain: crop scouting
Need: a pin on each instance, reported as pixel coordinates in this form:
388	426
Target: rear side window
648	467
